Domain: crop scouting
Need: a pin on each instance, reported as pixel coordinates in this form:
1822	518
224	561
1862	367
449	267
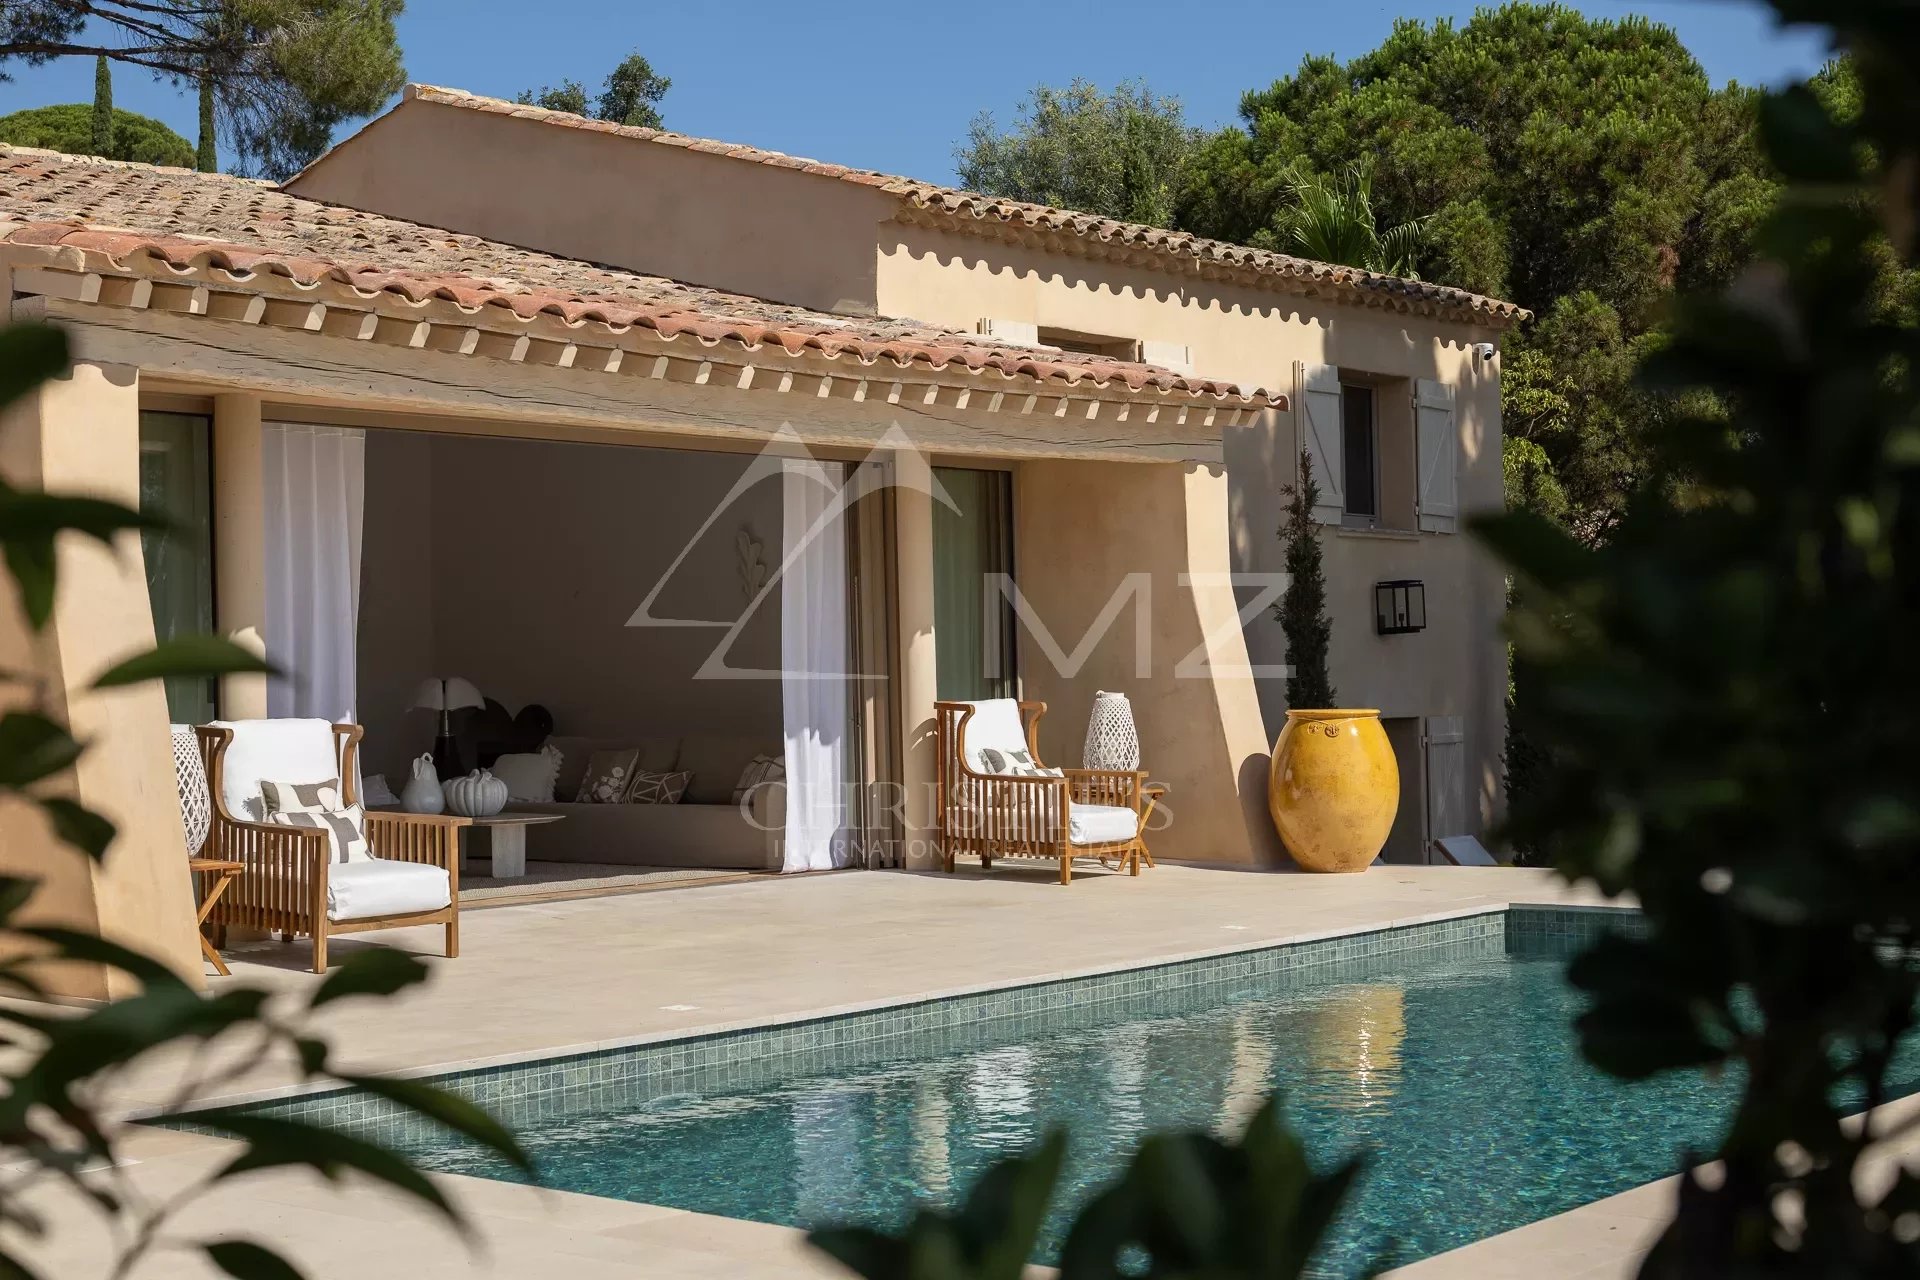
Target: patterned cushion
317	805
608	777
1015	764
658	788
759	769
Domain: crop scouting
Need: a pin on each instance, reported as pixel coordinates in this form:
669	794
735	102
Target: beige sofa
706	829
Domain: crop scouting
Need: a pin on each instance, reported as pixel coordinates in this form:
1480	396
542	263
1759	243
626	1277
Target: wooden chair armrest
1120	787
432	838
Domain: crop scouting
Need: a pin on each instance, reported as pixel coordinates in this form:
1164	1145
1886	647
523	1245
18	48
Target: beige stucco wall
1153	536
1254	336
81	434
668	211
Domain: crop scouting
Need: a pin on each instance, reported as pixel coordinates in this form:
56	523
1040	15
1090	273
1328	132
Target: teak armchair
1078	813
291	885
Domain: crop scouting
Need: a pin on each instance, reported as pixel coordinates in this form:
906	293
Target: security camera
1484	350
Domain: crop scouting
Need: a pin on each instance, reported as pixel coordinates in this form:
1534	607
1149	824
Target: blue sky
892	87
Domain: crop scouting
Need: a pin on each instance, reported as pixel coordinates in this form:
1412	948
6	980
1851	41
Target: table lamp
447	694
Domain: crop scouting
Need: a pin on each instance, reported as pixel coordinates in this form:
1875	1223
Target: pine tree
1302	612
102	107
207	159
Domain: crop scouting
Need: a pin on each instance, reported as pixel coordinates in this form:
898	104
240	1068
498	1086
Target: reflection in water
1462	1081
1249	1071
932	1162
1353	1040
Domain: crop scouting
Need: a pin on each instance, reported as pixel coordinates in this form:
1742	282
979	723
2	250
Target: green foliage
1120	155
284	72
70	128
101	132
631	95
1552	156
54	1127
1331	219
1726	694
1302	612
206	152
1189	1205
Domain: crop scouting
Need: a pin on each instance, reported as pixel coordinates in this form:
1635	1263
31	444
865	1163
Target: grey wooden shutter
1319	418
1446	778
1437	438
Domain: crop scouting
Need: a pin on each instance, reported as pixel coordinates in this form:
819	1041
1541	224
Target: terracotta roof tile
195	221
970	210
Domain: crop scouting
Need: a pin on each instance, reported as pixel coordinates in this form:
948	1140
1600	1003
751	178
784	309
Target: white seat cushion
376	887
1101	824
994	726
276	750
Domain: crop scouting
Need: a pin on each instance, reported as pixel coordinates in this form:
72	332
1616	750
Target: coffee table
502	839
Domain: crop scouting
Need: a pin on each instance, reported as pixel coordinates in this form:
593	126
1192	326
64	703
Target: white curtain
314	493
813	662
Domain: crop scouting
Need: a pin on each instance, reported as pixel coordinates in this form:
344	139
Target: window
176	484
1091	344
1360	454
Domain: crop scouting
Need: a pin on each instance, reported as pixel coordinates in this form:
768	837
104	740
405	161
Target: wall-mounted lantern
1399	608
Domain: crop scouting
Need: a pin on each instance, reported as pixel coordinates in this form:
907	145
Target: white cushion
995	724
1101	824
530	775
281	750
376	887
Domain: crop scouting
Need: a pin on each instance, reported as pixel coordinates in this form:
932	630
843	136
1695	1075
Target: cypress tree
102	107
208	158
1302	612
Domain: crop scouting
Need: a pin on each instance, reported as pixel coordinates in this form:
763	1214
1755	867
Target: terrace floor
549	978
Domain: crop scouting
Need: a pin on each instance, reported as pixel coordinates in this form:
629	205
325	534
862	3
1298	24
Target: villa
614	426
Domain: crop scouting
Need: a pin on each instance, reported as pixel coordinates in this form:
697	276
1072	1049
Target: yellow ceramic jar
1333	788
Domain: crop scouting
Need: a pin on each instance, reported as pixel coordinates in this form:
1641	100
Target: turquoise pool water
1460	1076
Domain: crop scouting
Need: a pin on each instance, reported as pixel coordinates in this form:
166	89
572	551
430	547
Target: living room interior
511	572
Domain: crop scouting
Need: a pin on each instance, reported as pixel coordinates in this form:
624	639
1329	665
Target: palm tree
1332	220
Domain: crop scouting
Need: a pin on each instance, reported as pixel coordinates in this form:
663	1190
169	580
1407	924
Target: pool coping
828	1013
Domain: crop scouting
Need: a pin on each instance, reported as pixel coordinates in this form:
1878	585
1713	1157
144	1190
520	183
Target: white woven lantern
1112	742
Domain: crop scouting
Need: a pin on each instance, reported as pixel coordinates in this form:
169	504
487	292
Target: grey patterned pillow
317	805
658	788
1016	764
608	777
760	769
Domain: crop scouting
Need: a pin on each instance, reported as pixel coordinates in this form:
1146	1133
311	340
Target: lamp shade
447	693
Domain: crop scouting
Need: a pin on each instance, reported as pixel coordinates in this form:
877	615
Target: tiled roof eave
1234	264
227	282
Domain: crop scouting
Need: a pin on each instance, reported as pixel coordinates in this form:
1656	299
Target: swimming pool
1444	1049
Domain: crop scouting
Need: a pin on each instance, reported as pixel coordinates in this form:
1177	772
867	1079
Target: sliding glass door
176	483
972	559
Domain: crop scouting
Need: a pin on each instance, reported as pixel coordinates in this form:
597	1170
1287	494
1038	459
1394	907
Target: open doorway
1407	841
619	616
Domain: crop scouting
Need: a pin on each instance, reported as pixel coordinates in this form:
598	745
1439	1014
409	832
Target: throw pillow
1016	764
317	805
609	774
658	788
530	775
759	769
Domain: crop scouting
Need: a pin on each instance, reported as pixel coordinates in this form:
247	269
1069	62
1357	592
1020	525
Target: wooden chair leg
1133	859
1066	868
320	951
453	938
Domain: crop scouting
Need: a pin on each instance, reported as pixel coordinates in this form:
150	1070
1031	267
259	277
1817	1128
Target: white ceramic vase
1112	741
422	794
478	795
